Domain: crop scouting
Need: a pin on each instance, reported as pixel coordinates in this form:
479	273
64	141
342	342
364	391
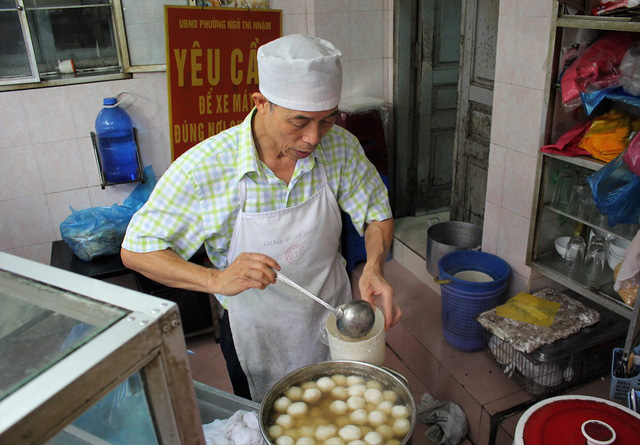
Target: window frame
120	32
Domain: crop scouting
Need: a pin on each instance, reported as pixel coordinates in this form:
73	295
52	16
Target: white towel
242	428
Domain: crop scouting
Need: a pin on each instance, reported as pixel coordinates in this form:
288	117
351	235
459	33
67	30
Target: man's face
296	134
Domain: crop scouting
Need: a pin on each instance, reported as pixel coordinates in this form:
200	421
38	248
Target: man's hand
377	291
247	271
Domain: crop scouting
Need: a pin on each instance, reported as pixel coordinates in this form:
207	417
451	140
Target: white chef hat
300	72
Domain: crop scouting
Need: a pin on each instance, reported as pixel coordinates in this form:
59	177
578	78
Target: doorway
443	92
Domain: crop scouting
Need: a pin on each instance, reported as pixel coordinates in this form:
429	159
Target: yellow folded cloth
529	309
608	135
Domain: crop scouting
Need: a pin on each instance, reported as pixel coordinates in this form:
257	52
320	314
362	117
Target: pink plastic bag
631	156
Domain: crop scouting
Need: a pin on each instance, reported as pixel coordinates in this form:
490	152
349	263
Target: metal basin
387	378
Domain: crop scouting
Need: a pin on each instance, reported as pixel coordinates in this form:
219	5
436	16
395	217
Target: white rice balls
359	416
281	404
400	412
285	440
373	395
326	384
294	393
338	407
297	409
356	390
401	426
340	392
373	438
339	410
355	402
377	418
350	433
325	432
311	395
286	421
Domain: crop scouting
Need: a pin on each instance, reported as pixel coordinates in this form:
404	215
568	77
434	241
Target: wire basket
620	387
542	378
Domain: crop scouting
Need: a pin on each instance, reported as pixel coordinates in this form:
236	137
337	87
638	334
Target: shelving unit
548	222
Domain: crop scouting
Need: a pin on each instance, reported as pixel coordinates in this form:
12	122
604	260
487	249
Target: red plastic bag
597	68
631	156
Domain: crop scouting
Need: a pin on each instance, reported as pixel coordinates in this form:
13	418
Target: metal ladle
354	319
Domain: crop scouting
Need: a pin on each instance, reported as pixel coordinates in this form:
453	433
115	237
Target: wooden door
473	127
436	100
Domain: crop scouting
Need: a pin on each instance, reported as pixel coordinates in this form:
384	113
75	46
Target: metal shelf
541	255
552	267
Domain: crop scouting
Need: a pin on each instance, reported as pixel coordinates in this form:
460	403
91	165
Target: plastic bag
630	70
122	416
616	192
631	156
597	68
607	6
98	231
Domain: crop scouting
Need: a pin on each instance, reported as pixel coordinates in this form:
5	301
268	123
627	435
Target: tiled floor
417	349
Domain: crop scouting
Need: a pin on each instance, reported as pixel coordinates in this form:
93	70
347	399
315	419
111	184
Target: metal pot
450	236
387	378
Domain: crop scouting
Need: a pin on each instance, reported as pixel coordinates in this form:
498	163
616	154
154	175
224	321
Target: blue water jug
116	143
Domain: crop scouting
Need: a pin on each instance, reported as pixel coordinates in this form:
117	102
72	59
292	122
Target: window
53	33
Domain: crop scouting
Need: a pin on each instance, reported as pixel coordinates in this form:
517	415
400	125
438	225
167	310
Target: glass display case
84	361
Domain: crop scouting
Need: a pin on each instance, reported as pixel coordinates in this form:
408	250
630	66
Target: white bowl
612	253
617	246
613	261
561	245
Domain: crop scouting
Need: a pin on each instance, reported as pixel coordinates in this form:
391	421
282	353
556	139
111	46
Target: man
265	196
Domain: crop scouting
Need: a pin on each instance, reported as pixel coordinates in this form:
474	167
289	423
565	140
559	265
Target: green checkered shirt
197	199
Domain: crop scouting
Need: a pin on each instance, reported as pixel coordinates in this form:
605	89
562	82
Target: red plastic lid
560	422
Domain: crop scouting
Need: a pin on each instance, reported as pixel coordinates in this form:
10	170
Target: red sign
212	68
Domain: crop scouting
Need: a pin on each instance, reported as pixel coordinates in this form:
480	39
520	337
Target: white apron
278	330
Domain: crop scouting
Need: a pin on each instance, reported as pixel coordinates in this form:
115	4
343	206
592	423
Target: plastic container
116	143
463	301
369	349
470	260
620	387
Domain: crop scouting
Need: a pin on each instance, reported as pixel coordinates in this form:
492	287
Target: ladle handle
286	280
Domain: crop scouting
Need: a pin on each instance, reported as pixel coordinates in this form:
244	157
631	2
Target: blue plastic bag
122	416
616	192
98	231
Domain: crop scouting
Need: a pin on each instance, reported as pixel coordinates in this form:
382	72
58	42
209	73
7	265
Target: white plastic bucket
368	349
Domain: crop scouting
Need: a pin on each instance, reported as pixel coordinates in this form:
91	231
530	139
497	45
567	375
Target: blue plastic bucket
471	260
463	301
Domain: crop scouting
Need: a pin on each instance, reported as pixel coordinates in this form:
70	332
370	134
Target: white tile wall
49	114
60	166
15	129
47	162
495	175
28	221
516	133
519	174
19	174
5	238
